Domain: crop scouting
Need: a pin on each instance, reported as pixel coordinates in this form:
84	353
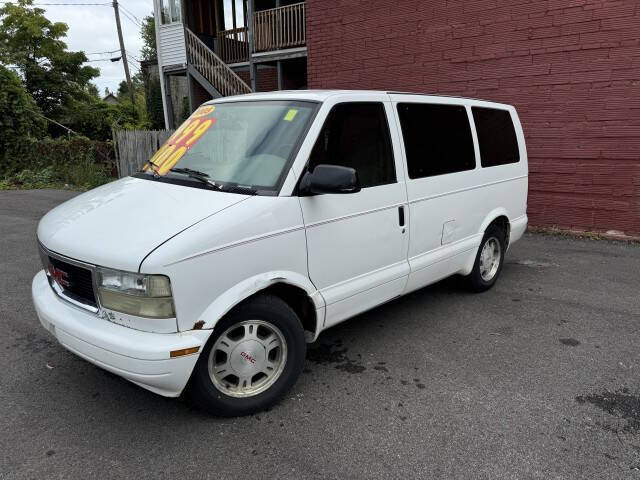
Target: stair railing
212	68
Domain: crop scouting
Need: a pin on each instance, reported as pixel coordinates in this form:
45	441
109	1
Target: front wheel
253	357
489	260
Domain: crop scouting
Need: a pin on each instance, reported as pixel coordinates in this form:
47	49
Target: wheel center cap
248	357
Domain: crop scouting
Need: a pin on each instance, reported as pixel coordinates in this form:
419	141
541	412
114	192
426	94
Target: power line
138	24
102	53
104	60
130	13
135	68
61	4
73	4
69	131
130	55
53	121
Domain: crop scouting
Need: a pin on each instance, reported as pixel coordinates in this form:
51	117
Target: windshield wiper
238	189
154	167
190	170
204	178
197	175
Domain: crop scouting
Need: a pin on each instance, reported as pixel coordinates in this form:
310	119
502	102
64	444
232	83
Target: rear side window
496	136
437	139
356	135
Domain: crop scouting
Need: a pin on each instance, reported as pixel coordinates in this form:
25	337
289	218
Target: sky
92	28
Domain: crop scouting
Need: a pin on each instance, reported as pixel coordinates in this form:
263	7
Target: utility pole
253	71
279	62
123	54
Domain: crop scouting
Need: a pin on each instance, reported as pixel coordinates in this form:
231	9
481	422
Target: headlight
135	293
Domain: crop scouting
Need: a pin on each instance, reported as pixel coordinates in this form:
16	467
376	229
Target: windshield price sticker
203	111
291	114
185	137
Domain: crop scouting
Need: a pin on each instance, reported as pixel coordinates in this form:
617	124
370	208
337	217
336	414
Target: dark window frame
473	165
476	121
392	155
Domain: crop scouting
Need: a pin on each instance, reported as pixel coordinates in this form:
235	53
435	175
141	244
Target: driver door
357	243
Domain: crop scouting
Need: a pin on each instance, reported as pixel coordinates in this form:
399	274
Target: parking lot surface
537	378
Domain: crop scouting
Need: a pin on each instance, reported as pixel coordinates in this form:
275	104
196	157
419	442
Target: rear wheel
253	357
489	260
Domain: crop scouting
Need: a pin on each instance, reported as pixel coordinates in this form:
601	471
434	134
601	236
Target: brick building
571	67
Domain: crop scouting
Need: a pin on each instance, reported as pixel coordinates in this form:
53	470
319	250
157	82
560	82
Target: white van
268	218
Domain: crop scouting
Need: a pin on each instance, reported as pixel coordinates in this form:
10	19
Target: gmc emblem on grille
59	276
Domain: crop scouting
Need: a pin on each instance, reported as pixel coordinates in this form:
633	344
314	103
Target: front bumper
141	357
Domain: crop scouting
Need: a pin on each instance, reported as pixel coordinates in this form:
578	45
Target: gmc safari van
268	218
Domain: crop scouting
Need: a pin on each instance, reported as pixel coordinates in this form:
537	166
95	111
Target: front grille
75	282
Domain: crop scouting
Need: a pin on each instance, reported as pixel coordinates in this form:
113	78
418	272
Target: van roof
322	95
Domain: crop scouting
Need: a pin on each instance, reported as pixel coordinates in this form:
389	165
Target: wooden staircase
205	65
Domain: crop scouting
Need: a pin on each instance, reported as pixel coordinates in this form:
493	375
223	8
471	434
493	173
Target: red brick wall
571	68
266	80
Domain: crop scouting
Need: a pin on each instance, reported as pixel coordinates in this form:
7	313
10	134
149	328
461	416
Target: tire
261	335
481	277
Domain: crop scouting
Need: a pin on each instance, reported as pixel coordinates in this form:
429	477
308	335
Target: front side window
496	136
356	135
244	144
170	11
437	139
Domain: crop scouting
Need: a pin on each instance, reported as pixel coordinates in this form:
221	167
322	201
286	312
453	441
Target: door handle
401	215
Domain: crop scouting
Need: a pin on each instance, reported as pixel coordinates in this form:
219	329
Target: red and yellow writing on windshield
185	137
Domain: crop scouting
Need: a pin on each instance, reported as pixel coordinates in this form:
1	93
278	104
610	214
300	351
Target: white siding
171	46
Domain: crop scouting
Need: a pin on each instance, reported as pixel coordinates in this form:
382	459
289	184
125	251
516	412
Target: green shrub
20	120
60	154
82	176
87	174
45	178
73	163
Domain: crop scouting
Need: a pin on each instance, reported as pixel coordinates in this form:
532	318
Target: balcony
232	46
280	28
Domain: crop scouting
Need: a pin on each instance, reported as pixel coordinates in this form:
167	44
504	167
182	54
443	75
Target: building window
496	136
170	11
356	135
437	139
232	7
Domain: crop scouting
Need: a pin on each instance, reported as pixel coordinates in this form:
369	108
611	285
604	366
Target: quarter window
437	139
496	136
356	135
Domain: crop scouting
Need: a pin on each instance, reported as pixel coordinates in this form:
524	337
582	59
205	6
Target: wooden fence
135	147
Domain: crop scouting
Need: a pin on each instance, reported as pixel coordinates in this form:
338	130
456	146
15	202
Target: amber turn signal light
183	352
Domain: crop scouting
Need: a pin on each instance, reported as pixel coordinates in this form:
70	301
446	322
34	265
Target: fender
243	290
495	213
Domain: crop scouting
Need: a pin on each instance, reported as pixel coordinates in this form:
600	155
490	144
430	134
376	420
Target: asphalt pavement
537	378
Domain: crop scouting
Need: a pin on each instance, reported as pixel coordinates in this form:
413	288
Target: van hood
120	223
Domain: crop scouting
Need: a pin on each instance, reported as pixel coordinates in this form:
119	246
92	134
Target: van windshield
246	143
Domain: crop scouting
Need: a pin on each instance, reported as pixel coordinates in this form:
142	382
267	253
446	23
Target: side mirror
329	179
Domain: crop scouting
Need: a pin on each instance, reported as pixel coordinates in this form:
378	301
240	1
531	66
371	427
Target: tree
123	88
153	92
155	109
20	120
149	51
54	77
